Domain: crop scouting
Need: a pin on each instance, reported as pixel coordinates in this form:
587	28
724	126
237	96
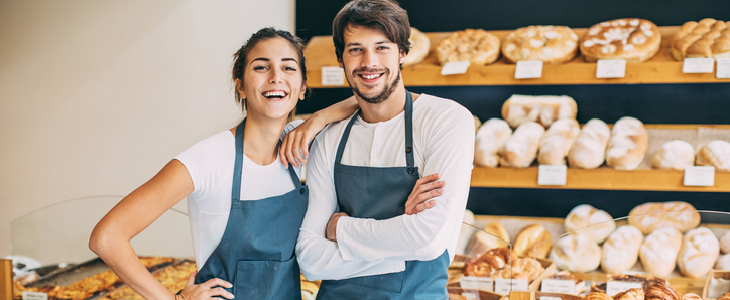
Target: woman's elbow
99	242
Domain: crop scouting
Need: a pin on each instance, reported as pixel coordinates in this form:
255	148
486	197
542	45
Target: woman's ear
239	88
303	91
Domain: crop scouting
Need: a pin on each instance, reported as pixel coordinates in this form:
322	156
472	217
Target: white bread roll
532	241
621	249
725	243
420	46
674	155
723	263
700	249
716	154
493	236
557	142
520	148
653	215
544	110
576	253
659	251
489	141
594	223
589	150
467	232
628	143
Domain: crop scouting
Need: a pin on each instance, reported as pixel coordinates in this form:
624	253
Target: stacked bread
716	154
533	241
700	249
420	46
557	142
550	44
659	251
628	144
587	220
490	139
544	110
589	150
474	45
576	253
521	147
706	38
635	40
621	249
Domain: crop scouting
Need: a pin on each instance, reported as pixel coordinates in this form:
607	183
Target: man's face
371	62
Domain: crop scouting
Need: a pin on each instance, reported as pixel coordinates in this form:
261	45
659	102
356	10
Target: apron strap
238	167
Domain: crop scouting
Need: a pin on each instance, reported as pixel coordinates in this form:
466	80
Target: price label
611	68
552	175
455	67
615	287
698	65
504	286
333	76
528	69
549	298
477	283
558	286
34	296
699	176
723	67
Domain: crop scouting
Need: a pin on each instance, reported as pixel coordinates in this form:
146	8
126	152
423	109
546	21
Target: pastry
532	241
576	253
580	285
716	154
706	38
474	45
660	291
597	296
309	290
490	262
725	296
652	215
621	249
691	296
493	236
635	40
659	251
723	263
646	281
489	141
674	155
590	221
420	45
725	242
557	142
550	44
526	268
544	110
630	294
589	150
699	252
520	148
627	145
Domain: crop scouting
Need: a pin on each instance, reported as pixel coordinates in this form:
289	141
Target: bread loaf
628	143
716	154
557	142
723	263
493	236
659	251
589	150
661	291
520	148
699	252
532	241
652	215
675	155
544	110
489	141
594	223
576	253
467	232
477	123
475	45
725	243
551	44
706	38
621	249
420	46
634	40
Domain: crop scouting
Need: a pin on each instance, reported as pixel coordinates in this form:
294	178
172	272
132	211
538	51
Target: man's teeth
274	94
370	76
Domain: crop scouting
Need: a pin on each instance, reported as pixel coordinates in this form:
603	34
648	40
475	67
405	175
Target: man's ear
339	62
402	54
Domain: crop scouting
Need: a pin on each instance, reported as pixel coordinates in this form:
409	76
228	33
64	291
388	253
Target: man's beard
384	94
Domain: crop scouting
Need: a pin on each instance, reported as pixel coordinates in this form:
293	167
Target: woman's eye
257	68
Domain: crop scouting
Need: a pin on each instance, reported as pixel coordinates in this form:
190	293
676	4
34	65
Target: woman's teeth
270	94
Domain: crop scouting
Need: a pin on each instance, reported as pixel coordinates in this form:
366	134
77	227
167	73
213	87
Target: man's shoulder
435	106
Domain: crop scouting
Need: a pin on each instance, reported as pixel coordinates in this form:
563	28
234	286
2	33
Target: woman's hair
241	56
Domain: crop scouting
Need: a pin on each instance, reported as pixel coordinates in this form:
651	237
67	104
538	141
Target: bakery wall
97	96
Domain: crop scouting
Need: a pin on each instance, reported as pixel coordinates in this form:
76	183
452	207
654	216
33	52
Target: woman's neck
261	139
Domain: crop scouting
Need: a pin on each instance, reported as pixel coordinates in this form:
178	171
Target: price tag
558	286
528	69
611	68
723	67
552	175
34	296
455	67
549	298
504	286
698	65
333	76
699	176
477	283
615	287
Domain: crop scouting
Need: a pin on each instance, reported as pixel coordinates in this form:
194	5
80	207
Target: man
355	234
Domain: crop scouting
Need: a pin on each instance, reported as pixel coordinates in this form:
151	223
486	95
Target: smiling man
355	235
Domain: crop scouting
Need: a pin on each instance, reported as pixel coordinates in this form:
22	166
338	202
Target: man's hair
383	15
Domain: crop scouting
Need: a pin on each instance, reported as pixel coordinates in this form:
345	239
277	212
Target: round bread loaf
700	249
557	142
621	249
420	46
490	139
723	263
628	144
474	45
520	149
550	44
674	155
725	243
716	154
706	38
659	251
634	40
592	222
576	253
532	241
589	150
652	215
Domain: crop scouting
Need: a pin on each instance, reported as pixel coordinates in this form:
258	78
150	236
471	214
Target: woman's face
272	79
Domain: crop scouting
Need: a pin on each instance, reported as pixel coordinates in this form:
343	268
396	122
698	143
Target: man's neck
385	110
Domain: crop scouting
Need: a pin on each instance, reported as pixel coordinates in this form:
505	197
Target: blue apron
381	193
256	253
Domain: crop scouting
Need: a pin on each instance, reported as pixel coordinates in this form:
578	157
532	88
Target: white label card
615	287
455	67
552	175
723	67
611	68
333	76
504	286
477	283
558	286
34	296
698	65
549	298
699	176
528	69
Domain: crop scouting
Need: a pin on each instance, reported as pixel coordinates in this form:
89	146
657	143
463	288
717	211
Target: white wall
96	96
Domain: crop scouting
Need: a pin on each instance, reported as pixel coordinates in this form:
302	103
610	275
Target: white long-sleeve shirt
443	142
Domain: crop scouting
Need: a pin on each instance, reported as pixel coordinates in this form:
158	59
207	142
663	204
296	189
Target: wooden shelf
320	52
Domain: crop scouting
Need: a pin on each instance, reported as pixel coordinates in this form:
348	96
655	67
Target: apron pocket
267	280
391	282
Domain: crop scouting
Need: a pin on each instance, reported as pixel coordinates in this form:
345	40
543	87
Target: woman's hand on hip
205	290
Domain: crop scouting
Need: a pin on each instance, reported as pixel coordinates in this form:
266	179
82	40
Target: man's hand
421	198
205	290
331	231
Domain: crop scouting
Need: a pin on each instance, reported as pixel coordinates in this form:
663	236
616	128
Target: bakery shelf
320	52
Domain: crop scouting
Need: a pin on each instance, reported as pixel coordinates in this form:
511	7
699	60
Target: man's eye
290	68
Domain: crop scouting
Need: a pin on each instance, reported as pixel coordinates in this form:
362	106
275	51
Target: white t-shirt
210	163
443	142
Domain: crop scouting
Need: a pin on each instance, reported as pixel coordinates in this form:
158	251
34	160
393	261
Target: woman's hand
205	290
421	198
294	148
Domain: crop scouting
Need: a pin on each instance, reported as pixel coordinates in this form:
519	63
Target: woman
245	208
